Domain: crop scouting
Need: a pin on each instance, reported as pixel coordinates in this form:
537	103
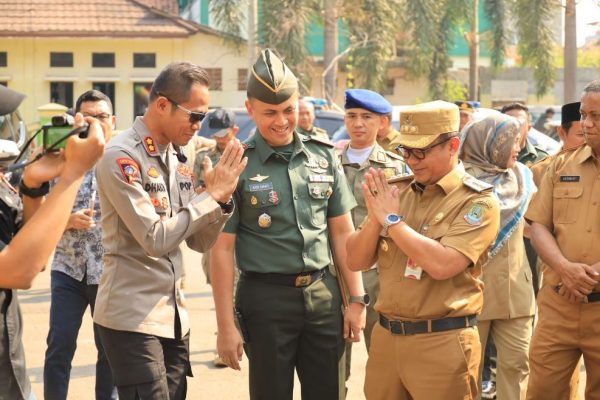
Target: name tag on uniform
569	178
258	187
320	178
412	270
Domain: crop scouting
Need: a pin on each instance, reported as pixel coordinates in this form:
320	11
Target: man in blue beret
366	114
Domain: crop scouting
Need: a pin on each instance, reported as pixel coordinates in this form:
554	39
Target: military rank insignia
253	200
150	146
183	169
129	169
264	220
273	198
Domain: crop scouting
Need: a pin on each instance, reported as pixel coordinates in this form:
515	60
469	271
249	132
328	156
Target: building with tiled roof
55	50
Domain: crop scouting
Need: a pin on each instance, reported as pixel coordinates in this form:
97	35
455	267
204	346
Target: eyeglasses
419	154
194	116
101	116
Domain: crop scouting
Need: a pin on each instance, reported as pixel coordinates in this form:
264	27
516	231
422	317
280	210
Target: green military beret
271	81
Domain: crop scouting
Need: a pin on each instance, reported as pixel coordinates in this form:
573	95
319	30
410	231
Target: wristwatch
391	219
34	193
364	299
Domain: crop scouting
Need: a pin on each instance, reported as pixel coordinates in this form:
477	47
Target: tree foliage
230	17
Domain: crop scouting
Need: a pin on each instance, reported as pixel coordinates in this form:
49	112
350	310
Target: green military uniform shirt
391	164
282	206
317	132
214	154
531	154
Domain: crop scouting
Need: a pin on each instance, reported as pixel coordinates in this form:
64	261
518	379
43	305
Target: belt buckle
396	324
303	280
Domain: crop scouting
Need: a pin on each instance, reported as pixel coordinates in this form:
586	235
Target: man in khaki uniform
564	220
306	120
387	135
149	207
466	113
365	113
430	234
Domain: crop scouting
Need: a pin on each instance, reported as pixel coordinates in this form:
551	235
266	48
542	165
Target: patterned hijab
487	146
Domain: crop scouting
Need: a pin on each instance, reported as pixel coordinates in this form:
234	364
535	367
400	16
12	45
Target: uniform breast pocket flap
319	190
565	199
262	199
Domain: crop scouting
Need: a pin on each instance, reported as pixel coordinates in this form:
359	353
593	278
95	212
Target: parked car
328	120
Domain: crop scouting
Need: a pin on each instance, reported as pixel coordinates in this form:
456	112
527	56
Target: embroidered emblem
264	220
253	200
475	214
129	169
183	169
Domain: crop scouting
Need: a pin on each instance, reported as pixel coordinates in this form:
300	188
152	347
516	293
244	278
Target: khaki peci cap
271	81
420	125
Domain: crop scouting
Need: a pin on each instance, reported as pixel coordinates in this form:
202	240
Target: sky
587	11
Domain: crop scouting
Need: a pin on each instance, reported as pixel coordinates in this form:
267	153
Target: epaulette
326	142
320	130
393	155
476	184
401	178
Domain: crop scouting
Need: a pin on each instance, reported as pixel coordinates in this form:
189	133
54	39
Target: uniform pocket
319	192
564	203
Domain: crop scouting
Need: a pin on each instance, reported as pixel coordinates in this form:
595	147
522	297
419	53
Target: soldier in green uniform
366	112
292	209
306	120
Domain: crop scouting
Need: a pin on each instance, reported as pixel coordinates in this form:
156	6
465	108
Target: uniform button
304	255
584	255
301	226
296	197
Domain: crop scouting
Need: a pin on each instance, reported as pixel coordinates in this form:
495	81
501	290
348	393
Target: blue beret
367	99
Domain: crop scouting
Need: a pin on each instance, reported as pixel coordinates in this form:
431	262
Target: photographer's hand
82	153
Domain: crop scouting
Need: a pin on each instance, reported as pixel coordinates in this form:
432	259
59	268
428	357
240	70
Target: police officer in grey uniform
149	207
292	201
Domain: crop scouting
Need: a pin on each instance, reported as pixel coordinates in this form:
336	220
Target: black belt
297	280
593	297
437	325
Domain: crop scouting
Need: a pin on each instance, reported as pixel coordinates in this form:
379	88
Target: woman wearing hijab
490	148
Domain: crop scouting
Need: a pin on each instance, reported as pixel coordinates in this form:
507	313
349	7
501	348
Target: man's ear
454	144
249	109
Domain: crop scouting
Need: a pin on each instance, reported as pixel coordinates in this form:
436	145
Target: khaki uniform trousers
564	332
439	365
512	338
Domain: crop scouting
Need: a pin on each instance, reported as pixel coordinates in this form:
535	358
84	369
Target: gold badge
259	178
153	172
329	192
253	200
437	218
323	163
264	220
384	245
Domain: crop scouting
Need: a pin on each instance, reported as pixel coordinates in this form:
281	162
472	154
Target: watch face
393	218
367	298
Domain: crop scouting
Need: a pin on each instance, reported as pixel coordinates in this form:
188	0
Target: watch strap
34	193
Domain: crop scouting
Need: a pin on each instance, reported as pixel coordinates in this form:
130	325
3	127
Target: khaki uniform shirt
283	206
317	132
149	207
567	204
388	142
460	212
213	153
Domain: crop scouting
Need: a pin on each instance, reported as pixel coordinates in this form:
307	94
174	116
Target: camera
60	127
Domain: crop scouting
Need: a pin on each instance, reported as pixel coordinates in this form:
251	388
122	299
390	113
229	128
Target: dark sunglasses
194	116
419	154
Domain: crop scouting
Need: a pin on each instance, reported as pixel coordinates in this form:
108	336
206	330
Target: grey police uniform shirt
149	207
79	251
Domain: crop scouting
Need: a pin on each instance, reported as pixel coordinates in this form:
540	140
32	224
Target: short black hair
176	79
93	95
550	111
514	106
566	126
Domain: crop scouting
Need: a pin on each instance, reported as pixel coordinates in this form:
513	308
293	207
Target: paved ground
208	383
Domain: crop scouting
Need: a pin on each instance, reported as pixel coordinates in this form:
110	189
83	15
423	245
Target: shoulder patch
401	178
129	169
476	184
320	140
